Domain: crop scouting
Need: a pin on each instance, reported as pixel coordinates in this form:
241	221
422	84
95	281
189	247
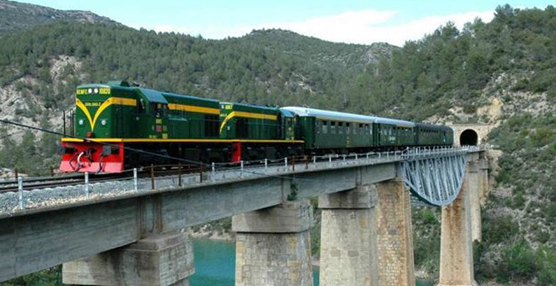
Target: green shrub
469	109
498	229
521	84
518	263
542	136
547	260
518	201
315	239
426	216
542	237
48	277
426	238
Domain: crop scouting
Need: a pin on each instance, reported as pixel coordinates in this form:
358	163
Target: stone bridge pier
156	260
273	245
366	233
477	174
461	225
366	236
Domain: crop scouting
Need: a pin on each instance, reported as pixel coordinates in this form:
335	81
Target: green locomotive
113	115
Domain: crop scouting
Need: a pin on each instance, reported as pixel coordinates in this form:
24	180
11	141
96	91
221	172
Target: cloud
345	27
360	27
417	29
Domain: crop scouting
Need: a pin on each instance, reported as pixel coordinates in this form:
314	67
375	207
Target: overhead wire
292	176
21	125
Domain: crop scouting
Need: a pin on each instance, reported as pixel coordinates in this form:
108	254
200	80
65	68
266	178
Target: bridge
130	232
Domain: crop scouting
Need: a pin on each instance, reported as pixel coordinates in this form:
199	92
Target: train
117	126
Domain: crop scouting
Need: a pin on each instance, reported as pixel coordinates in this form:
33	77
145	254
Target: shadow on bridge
366	231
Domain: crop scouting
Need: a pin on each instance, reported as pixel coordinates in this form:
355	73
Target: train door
288	125
119	122
416	136
159	126
378	134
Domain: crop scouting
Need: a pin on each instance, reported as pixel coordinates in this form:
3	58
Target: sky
348	21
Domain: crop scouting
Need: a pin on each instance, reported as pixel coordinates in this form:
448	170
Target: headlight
90	90
103	122
81	121
96	90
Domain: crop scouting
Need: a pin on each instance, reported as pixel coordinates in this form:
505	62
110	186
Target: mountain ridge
501	72
17	16
356	56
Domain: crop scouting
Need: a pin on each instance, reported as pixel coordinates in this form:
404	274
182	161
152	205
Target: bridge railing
26	197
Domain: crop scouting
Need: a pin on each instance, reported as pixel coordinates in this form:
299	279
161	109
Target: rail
85	186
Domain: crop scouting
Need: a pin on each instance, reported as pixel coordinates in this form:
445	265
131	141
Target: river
215	264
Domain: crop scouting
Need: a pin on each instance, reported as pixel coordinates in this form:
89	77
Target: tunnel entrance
468	137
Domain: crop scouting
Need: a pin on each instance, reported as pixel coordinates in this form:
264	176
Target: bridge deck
48	233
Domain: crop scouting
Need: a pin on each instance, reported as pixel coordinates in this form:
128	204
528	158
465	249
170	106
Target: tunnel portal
469	137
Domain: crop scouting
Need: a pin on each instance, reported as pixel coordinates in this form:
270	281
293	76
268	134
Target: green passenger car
394	133
199	129
434	135
322	129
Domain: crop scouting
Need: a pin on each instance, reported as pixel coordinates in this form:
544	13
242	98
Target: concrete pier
348	254
159	260
273	246
456	249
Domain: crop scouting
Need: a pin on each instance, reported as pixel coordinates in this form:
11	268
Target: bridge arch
469	137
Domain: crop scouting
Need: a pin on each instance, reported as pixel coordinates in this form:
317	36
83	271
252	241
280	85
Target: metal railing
221	172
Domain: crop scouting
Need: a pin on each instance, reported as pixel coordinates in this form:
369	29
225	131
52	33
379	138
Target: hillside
42	66
345	56
511	56
502	73
16	16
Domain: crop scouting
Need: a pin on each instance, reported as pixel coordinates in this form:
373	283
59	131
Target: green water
425	283
215	264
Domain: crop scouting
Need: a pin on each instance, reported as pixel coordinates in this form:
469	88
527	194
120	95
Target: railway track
37	183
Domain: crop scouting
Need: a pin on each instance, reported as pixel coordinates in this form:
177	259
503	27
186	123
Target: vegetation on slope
520	218
449	75
254	69
511	58
451	67
17	17
233	69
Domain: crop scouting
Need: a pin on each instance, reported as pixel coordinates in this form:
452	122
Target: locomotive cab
102	112
149	118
